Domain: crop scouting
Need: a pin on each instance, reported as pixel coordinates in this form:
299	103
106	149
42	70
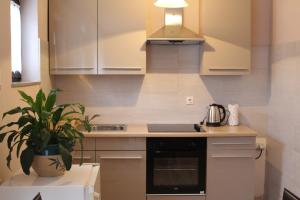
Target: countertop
141	130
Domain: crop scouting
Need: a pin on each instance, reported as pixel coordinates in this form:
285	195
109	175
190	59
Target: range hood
174	31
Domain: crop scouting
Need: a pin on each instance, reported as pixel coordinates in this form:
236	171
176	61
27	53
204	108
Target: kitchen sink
108	127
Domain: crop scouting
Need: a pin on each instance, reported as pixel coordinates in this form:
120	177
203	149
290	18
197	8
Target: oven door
176	172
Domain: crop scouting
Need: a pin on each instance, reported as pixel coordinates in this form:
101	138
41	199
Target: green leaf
2	136
39	101
45	136
26	160
51	99
81	108
66	157
45	115
23	120
94	116
8	158
26	129
12	112
69	113
10	139
26	98
21	142
57	115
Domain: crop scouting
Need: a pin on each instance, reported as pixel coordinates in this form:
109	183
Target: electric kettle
216	116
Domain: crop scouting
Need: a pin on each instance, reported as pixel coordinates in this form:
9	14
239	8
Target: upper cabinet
109	36
73	36
122	36
226	26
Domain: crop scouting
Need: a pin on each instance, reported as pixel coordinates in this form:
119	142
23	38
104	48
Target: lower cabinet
123	174
87	157
230	168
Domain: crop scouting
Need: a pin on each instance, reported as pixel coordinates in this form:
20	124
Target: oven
176	165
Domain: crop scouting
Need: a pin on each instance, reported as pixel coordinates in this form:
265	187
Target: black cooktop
152	128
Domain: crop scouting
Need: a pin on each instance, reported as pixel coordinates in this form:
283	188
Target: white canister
234	115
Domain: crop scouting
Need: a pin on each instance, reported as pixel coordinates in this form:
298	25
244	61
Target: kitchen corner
149	100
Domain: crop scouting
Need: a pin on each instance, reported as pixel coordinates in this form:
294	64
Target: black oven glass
176	165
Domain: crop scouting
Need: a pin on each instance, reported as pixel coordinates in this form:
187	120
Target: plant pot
48	163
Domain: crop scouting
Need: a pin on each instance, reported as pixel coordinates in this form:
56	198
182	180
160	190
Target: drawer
129	144
89	144
231	154
88	157
175	197
231	143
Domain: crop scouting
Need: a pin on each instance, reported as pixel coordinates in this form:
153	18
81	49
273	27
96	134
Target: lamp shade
171	3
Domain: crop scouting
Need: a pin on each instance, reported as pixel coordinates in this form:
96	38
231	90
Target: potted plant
44	133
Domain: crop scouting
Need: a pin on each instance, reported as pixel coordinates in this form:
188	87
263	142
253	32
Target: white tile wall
284	136
172	76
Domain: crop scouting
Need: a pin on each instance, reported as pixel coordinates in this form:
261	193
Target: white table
81	183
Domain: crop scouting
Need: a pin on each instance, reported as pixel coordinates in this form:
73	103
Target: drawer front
129	144
175	197
231	143
230	168
89	144
123	175
88	157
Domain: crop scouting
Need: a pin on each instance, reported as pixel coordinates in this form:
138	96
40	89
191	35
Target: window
15	17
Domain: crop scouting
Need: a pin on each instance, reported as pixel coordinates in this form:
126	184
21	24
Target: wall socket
189	100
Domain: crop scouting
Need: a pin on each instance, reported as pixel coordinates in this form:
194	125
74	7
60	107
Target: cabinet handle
122	68
230	156
73	68
84	158
232	143
228	69
122	158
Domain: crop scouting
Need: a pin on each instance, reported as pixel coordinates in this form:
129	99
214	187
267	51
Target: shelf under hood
175	35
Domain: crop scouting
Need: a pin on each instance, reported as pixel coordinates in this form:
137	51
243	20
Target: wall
9	97
159	96
284	135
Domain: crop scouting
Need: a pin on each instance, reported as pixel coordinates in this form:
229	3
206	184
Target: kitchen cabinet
122	36
73	36
87	157
226	26
231	168
123	168
123	174
88	144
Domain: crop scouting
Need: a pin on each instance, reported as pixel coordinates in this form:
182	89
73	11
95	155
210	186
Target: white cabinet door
123	174
226	26
230	168
122	36
73	36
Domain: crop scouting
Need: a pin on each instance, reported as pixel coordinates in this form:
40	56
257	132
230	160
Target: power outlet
189	100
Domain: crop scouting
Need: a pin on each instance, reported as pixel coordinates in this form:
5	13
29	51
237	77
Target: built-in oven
176	165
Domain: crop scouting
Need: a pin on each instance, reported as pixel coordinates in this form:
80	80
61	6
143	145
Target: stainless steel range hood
174	31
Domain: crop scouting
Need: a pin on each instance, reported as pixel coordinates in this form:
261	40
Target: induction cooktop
152	128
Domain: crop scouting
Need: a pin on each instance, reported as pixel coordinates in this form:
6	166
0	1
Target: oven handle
202	193
174	153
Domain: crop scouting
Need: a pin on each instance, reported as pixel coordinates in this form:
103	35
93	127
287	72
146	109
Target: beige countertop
140	130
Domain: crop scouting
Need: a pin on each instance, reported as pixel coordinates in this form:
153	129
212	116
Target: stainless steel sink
109	127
